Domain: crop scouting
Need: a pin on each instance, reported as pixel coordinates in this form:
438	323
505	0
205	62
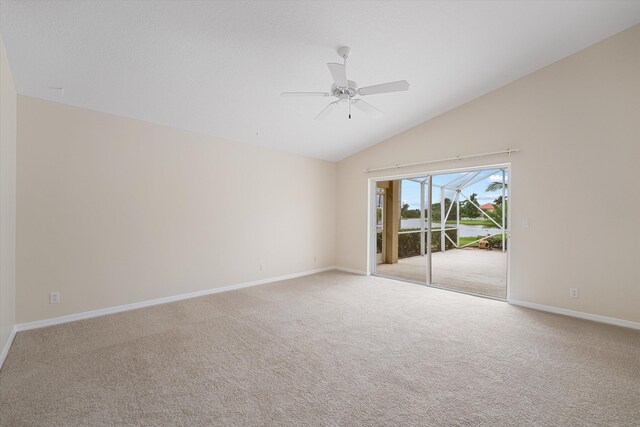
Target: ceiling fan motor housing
345	93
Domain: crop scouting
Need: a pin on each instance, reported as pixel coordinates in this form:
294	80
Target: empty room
353	213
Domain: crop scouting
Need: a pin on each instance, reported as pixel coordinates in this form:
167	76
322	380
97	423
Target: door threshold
442	288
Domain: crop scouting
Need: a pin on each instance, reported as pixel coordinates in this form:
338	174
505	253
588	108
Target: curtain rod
450	159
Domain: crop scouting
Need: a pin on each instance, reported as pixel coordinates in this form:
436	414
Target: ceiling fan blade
305	94
339	74
367	108
327	110
398	86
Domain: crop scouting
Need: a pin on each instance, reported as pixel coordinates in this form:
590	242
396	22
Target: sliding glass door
447	230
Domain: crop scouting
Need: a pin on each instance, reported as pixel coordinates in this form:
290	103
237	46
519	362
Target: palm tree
495	186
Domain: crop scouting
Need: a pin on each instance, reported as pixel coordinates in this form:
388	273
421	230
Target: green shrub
495	242
409	244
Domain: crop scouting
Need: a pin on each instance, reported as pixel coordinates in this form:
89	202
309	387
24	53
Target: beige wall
7	199
577	123
113	211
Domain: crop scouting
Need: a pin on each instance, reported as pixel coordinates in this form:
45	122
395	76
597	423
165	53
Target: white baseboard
7	346
351	270
133	306
578	314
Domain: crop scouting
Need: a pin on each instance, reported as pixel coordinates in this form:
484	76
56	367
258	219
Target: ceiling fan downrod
344	53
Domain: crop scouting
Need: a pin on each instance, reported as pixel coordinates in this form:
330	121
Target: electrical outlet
573	292
315	259
525	222
261	267
54	297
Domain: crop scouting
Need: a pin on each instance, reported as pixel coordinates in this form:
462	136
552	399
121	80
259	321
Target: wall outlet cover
54	297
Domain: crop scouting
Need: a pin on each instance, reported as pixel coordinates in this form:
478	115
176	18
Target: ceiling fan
347	90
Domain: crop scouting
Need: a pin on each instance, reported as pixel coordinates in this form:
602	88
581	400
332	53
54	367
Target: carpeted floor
328	349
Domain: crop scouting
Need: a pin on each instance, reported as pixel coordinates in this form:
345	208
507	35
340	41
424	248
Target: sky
410	192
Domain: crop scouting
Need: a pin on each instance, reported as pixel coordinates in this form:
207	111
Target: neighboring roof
487	206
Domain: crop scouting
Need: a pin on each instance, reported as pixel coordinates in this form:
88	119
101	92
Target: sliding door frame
371	224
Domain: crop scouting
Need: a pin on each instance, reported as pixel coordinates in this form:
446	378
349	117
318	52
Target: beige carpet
329	349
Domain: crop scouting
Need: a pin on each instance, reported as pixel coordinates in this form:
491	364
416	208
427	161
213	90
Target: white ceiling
219	67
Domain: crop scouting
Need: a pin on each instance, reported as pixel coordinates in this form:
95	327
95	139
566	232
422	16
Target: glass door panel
404	230
446	230
468	229
380	234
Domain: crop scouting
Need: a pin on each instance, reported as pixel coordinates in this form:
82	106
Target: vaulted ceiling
219	67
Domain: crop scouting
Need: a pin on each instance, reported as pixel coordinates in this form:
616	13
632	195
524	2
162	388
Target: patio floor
470	270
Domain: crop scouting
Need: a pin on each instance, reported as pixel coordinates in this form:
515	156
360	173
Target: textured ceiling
219	67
